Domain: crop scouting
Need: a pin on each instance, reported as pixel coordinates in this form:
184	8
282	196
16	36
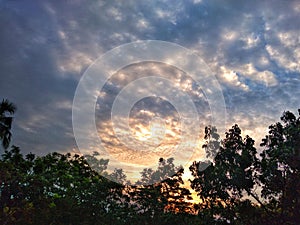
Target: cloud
232	78
130	144
253	48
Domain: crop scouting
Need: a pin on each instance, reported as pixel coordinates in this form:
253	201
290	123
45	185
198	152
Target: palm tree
7	109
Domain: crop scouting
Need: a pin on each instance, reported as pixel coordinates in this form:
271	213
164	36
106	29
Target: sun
153	133
142	133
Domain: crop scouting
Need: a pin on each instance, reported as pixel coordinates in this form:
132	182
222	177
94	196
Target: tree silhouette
229	176
72	189
7	109
280	168
162	190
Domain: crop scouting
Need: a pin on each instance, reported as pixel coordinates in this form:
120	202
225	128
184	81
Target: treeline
239	185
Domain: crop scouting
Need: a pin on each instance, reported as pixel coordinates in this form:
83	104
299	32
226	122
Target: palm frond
7	106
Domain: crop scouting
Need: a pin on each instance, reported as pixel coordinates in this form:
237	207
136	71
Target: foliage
230	185
54	189
63	189
229	176
168	193
280	168
238	185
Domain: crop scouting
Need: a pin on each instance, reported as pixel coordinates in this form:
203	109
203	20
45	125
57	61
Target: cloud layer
253	48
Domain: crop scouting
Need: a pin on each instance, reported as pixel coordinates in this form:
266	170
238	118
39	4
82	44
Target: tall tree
280	168
229	176
162	190
7	109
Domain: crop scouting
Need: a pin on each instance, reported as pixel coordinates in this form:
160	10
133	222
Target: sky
252	49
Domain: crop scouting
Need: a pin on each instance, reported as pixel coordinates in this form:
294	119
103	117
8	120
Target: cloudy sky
252	48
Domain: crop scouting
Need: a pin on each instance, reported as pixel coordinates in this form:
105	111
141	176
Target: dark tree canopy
239	184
